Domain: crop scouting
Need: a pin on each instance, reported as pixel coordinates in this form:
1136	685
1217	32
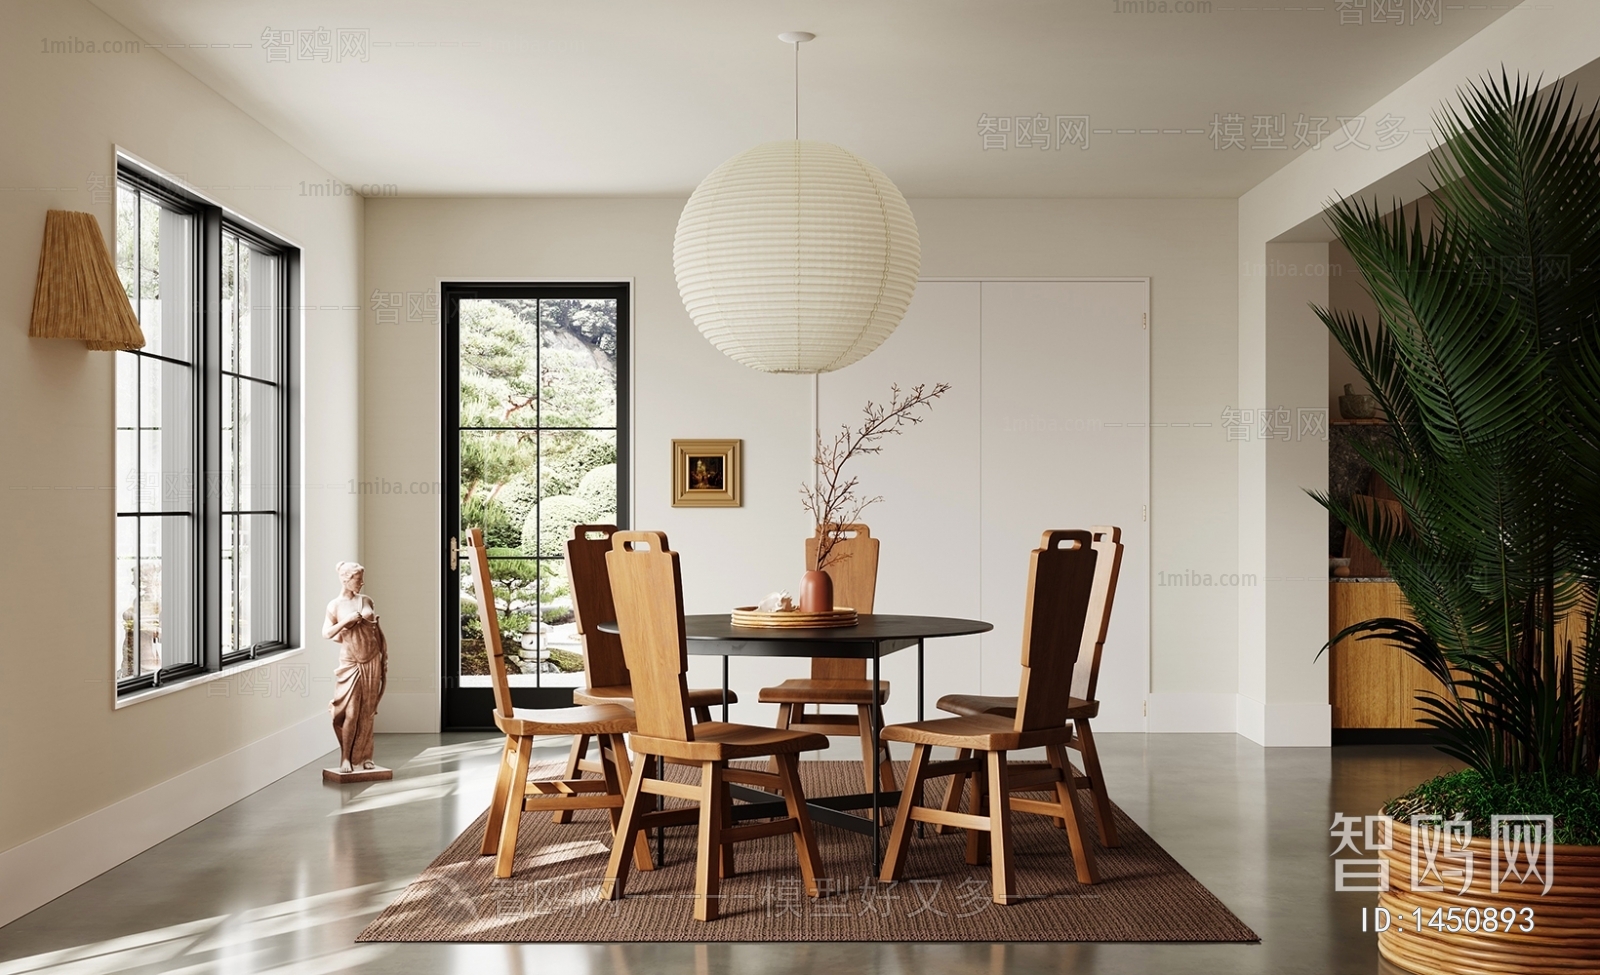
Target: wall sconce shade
78	294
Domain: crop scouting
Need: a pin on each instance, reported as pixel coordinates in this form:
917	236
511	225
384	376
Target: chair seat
810	690
983	732
699	697
717	741
595	719
969	705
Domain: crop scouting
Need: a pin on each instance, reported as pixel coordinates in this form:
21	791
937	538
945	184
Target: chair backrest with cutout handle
604	664
854	570
647	587
1060	580
1108	565
489	620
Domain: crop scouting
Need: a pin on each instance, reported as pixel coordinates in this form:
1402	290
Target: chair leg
952	796
805	839
894	860
785	718
516	796
628	834
1103	816
1055	763
708	880
615	766
580	748
497	801
1000	831
977	850
1066	794
727	865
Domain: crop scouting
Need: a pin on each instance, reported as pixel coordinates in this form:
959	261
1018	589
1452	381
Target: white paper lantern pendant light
796	257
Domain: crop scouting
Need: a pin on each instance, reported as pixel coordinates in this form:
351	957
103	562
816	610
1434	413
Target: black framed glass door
535	442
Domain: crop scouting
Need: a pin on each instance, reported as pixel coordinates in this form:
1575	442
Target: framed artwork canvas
707	473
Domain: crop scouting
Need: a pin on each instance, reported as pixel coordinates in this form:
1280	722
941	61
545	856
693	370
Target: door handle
455	554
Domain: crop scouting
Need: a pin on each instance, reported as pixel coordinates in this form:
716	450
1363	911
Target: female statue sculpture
363	670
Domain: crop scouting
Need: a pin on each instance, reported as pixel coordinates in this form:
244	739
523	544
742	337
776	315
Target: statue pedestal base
357	775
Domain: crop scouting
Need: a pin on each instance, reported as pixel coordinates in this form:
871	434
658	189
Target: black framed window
535	427
202	437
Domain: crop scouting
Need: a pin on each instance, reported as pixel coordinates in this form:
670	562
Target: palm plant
1486	359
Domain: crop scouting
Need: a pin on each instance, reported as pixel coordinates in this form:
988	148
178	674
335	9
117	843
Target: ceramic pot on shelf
816	592
1357	406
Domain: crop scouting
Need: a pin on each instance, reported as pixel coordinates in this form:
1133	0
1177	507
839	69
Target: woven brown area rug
553	894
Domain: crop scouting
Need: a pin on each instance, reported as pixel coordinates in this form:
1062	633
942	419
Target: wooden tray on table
794	619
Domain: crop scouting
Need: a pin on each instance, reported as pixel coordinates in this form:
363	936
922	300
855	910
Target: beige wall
686	388
66	752
1345	294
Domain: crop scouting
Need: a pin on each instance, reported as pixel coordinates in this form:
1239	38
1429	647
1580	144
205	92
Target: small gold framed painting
707	473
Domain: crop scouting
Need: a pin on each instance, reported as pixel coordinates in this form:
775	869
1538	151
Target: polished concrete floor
284	880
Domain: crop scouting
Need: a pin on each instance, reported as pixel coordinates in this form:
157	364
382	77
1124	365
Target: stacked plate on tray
794	619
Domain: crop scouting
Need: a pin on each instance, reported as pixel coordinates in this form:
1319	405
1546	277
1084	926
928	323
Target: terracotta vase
816	592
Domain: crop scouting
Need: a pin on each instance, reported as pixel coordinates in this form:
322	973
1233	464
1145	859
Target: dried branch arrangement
833	500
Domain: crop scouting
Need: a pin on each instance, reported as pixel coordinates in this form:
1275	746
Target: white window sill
123	700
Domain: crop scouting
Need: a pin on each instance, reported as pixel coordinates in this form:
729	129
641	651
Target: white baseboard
1191	713
1250	719
408	713
1293	725
48	866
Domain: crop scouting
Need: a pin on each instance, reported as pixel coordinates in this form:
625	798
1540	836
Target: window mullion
208	363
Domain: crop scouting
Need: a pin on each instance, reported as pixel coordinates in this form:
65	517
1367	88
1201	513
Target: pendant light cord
797	91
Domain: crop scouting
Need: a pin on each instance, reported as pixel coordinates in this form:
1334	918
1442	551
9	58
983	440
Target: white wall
685	388
67	753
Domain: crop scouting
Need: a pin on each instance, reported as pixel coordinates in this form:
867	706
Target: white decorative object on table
776	602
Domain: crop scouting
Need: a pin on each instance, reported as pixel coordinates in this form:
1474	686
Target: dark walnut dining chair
1060	580
605	671
647	584
1082	705
838	681
514	792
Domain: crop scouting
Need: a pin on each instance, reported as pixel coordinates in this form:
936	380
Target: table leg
918	798
724	688
661	831
877	779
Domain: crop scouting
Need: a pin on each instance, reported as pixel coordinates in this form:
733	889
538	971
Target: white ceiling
646	96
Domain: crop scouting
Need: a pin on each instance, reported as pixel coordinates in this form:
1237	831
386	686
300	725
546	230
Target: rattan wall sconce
78	294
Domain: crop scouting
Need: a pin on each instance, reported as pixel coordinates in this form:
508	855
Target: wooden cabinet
1371	684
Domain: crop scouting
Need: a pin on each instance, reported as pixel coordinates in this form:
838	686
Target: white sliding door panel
1066	444
928	523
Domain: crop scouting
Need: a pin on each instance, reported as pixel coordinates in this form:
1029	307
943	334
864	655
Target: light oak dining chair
1060	580
514	792
605	670
841	681
647	584
1082	706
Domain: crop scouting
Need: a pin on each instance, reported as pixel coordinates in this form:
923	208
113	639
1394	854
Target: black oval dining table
871	638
